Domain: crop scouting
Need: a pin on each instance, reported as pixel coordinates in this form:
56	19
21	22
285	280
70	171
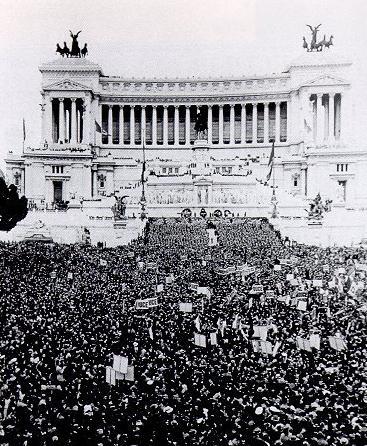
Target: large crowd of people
66	310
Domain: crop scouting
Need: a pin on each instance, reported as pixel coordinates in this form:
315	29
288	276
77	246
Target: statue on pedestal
201	125
119	208
317	208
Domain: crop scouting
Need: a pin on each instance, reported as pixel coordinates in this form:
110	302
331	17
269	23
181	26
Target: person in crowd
66	310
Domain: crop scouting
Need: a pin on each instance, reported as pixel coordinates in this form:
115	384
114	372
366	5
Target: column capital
266	103
154	106
74	99
232	105
220	105
165	106
177	106
254	104
210	106
319	95
143	106
187	106
121	106
61	99
132	106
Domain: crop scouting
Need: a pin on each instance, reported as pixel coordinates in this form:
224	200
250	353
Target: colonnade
326	120
66	120
246	123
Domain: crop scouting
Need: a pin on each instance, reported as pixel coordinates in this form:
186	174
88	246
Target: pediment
68	85
325	80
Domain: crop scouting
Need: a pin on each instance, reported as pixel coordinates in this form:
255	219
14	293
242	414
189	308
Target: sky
164	38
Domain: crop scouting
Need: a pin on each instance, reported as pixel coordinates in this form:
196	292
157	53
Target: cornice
149	100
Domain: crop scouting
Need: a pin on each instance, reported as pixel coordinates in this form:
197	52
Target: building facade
97	130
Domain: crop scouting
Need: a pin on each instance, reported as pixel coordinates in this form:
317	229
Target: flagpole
142	199
274	213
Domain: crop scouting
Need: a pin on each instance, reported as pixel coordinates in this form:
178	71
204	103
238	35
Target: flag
270	163
24	134
100	130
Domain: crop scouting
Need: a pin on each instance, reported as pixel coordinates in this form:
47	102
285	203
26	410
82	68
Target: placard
185	307
120	363
200	340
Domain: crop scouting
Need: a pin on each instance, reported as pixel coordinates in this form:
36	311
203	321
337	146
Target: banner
277	267
120	363
289	277
141	304
160	288
185	307
317	283
270	294
152	302
144	304
200	340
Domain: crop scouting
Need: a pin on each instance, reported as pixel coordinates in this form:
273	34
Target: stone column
61	121
326	121
44	117
78	126
254	123
277	121
210	124
73	121
132	124
243	124
342	122
98	135
165	125
289	114
331	117
266	122
154	125
187	125
319	135
67	125
231	125
221	122
48	135
94	183
143	124
110	126
121	124
177	123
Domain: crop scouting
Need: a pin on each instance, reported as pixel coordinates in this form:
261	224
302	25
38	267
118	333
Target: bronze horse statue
63	51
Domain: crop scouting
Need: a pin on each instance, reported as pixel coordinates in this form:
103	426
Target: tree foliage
12	208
